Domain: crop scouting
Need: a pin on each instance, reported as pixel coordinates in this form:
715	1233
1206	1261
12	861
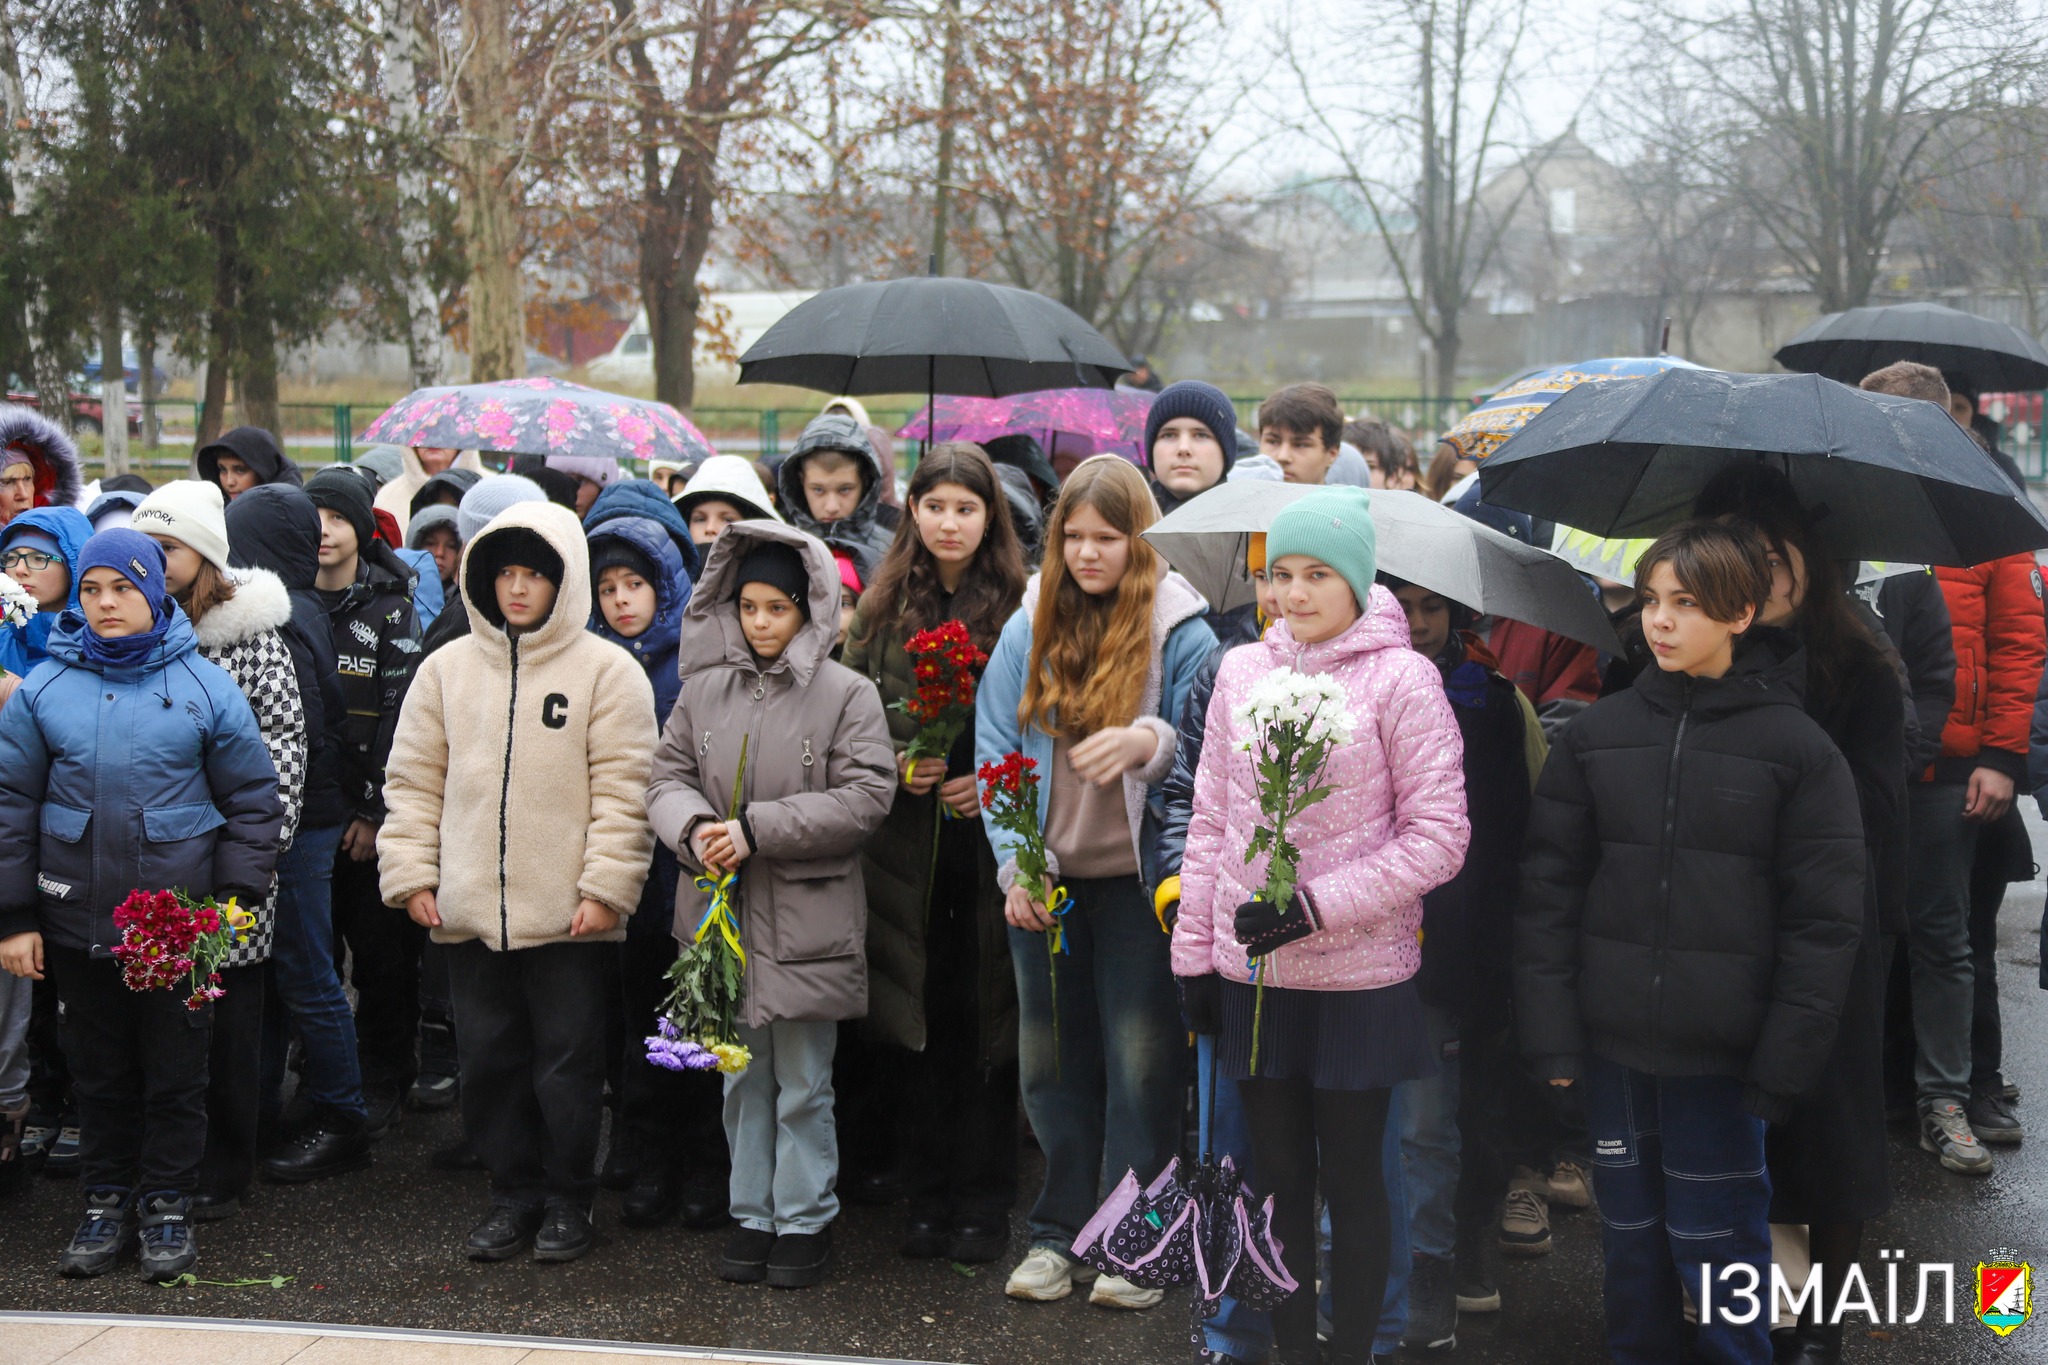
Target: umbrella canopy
1111	421
1507	409
1419	540
540	417
932	334
1898	479
1847	346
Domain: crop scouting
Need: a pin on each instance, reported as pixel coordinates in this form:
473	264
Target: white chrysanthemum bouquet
17	604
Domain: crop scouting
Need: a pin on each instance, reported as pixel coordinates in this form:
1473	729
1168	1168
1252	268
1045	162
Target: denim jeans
304	981
1235	1330
1987	1030
1430	1144
1943	847
1112	1100
778	1123
17	999
1684	1191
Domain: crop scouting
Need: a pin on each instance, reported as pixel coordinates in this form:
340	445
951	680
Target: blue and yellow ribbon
719	912
1057	907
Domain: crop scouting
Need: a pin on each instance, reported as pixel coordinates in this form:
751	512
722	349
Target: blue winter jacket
119	779
428	596
23	647
1177	615
654	647
644	498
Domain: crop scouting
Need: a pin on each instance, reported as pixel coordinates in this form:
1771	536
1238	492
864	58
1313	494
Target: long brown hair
208	589
905	590
1090	653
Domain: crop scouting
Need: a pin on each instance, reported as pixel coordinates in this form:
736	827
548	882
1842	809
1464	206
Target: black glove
1257	920
1262	927
1201	1003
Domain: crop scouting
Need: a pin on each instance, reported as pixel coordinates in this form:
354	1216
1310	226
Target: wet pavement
382	1247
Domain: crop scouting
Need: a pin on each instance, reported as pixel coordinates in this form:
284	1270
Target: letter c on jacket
554	712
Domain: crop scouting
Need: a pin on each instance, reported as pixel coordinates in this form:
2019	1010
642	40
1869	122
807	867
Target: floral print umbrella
1506	411
1112	420
540	417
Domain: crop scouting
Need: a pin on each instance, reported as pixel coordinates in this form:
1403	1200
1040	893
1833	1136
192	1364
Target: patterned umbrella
1480	432
540	417
1111	420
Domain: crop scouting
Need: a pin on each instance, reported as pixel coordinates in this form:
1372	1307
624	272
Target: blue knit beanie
1335	526
1205	403
131	554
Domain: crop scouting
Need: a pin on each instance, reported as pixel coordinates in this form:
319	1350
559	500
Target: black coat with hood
276	527
254	447
862	535
1692	886
377	640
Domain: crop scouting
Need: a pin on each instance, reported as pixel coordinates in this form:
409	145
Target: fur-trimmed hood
260	603
60	477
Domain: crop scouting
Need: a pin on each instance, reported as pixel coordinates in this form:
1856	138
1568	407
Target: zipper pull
808	760
704	745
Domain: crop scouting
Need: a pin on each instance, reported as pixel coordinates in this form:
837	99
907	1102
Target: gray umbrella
1419	540
1847	346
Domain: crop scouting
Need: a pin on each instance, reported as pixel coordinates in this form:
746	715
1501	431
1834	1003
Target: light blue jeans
1430	1144
780	1130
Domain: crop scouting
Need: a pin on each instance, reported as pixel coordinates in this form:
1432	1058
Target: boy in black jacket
1691	905
367	591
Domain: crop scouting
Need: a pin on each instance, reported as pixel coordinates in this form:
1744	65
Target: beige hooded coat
820	778
396	497
518	774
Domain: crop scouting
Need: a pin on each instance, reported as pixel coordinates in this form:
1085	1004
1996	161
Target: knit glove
1201	1003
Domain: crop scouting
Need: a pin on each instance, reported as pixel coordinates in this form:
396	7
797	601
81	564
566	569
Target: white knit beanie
189	510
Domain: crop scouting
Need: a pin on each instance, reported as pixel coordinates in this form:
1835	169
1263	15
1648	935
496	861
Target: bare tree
1419	149
1824	112
402	46
1980	211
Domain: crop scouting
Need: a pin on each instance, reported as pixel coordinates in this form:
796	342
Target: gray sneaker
1945	1131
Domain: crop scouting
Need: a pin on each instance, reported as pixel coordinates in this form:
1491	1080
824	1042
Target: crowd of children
488	746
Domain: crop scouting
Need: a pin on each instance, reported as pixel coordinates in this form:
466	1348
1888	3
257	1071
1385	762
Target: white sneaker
1045	1276
1114	1291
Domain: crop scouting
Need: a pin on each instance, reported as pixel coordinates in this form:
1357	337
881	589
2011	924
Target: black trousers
234	1082
530	1027
671	1118
1987	1033
1301	1134
383	945
49	1075
138	1069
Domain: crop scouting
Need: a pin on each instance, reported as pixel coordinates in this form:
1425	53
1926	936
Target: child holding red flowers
127	761
942	1002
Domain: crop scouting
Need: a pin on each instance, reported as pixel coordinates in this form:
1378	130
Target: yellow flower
732	1058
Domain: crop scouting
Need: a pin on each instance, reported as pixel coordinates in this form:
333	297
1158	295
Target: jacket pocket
66	870
817	911
176	852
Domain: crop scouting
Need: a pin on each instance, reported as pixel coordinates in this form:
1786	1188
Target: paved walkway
116	1339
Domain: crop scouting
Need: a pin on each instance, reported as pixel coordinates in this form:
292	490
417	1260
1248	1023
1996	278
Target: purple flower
672	1052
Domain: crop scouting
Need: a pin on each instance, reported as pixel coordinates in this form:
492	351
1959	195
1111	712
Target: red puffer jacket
1995	611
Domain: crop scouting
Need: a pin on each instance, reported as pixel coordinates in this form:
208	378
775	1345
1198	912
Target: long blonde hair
1090	653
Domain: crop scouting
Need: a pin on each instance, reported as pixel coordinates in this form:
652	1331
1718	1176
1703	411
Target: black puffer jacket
1238	626
275	526
1692	889
1915	616
377	639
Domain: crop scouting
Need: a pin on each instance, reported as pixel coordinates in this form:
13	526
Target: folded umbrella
1419	540
1849	345
1109	421
540	416
1891	478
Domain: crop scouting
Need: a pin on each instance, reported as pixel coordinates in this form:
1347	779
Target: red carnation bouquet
944	659
171	942
1009	797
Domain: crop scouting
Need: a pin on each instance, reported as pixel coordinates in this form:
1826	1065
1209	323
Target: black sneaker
799	1259
565	1231
1477	1293
165	1232
212	1206
328	1148
505	1231
38	1135
621	1164
927	1235
382	1099
1432	1306
1994	1119
654	1198
706	1199
979	1238
745	1258
106	1231
64	1158
431	1092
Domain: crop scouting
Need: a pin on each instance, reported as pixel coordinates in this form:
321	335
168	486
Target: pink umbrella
1108	420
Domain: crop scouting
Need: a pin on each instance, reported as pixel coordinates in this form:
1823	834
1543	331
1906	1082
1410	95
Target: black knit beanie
348	495
780	567
614	552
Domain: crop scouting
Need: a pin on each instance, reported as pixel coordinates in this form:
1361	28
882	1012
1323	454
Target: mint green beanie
1334	526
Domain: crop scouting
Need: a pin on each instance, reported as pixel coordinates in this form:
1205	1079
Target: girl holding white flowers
1338	1022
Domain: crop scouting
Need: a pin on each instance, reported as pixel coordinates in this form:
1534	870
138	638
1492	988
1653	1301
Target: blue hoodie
644	498
23	647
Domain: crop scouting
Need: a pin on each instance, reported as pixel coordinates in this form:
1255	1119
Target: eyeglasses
35	561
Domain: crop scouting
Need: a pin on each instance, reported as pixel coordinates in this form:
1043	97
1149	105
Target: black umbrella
938	333
1847	346
1896	477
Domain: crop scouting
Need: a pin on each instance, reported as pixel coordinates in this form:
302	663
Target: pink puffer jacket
1393	828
